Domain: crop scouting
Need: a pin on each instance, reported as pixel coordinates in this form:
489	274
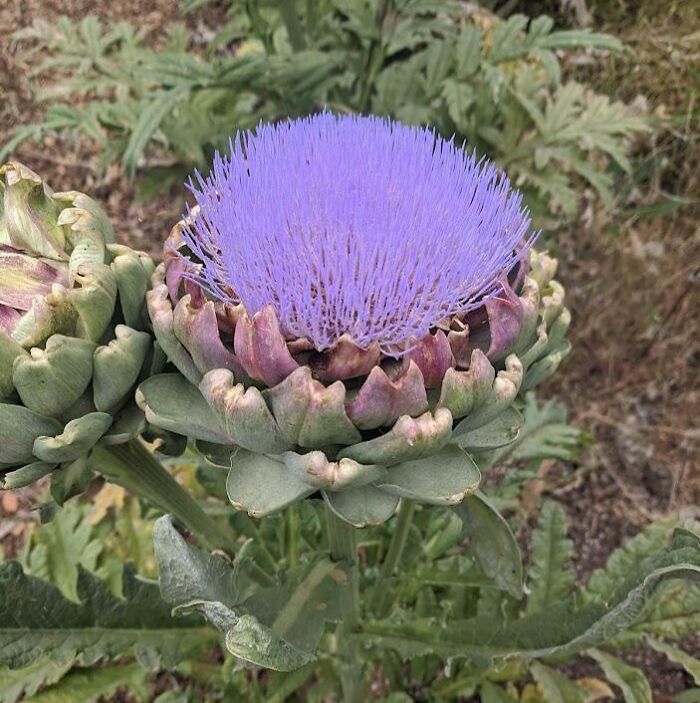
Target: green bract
73	334
362	429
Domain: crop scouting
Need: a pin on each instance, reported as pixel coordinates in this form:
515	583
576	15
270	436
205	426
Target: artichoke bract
74	338
353	307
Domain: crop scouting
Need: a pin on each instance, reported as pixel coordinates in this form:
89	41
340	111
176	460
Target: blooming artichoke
353	306
73	330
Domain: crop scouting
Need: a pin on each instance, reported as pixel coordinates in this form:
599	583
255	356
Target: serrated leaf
544	435
630	680
673	612
88	686
25	682
99	625
57	550
564	628
550	576
603	582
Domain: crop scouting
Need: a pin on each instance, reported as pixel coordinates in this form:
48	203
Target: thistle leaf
99	625
88	686
18	683
564	628
550	576
56	551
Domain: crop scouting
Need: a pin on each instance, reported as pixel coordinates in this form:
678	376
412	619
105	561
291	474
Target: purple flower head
357	225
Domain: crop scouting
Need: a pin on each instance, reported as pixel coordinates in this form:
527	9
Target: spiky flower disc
355	225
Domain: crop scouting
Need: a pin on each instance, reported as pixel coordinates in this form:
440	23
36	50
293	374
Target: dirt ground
632	278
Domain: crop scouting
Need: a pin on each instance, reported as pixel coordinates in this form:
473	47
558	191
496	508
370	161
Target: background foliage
496	84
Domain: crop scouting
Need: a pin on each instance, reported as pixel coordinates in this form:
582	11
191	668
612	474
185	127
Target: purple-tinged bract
355	225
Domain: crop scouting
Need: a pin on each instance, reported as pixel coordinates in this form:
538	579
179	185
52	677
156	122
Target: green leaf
100	625
631	681
603	582
556	687
544	435
25	682
362	506
493	543
550	577
492	693
444	478
677	656
56	551
277	627
580	39
497	433
90	685
564	628
261	485
673	612
156	110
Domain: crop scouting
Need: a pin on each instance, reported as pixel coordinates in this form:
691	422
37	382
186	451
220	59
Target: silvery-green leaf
497	433
444	478
172	403
277	627
117	367
366	505
630	680
78	437
565	628
261	485
98	625
50	380
19	428
493	543
25	475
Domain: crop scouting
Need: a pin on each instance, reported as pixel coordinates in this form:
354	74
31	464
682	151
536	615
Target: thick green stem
404	521
131	465
343	548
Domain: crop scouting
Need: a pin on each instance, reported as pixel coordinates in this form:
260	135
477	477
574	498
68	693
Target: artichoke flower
73	331
353	307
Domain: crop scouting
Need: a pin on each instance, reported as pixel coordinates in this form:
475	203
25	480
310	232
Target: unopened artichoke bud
74	339
353	307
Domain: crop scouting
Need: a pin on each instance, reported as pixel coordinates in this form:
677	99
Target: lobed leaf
37	621
564	628
550	577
